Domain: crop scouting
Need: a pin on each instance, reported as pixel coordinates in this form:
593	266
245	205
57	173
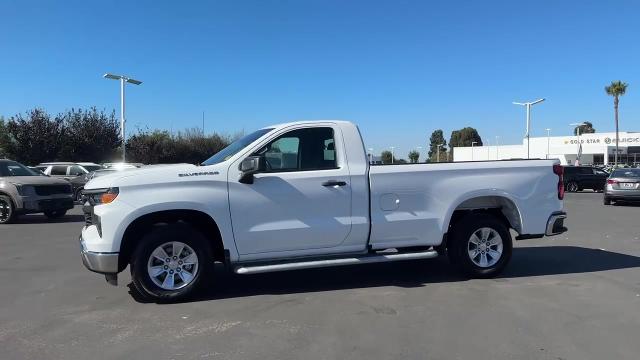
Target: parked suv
66	170
24	191
578	178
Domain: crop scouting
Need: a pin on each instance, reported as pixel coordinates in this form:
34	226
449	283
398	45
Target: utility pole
548	140
472	143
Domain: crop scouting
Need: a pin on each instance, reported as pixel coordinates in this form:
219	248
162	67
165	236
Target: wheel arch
500	205
201	221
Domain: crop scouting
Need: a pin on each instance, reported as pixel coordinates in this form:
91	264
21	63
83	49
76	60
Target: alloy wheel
485	247
172	265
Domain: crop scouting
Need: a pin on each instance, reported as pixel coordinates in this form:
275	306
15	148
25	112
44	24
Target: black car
79	181
578	178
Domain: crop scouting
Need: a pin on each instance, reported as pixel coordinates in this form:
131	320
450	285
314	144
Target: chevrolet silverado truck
303	195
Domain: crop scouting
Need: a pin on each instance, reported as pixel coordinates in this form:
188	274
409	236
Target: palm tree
616	89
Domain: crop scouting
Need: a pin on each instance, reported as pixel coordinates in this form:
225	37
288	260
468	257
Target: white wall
564	148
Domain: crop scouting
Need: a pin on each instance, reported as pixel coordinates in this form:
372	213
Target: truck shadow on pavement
526	262
40	219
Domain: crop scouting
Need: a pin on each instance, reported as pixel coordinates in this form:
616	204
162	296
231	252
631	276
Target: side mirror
250	166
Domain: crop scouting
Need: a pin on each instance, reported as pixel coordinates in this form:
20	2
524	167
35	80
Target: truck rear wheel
481	245
170	263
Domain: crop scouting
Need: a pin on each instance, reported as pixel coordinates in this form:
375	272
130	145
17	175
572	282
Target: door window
59	170
76	170
301	150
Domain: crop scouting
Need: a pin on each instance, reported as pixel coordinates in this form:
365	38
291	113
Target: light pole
418	148
122	79
392	147
488	147
528	106
497	137
472	143
438	152
548	140
579	153
370	155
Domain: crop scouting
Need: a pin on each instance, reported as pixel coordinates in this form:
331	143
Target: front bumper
32	204
555	224
103	263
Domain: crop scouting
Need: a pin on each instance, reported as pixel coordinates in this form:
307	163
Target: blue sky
400	69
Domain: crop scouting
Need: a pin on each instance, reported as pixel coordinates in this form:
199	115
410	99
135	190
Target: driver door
302	200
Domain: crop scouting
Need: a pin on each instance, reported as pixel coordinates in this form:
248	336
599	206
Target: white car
303	195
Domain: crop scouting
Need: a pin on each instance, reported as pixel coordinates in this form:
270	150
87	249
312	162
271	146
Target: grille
87	210
46	190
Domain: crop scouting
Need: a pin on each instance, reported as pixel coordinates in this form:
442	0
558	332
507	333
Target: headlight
101	196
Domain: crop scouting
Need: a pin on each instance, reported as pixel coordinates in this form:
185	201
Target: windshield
235	147
626	173
12	168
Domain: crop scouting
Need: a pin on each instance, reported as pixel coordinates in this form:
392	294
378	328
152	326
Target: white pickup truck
303	195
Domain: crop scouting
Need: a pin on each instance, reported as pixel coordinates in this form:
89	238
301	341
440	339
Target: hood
35	180
153	174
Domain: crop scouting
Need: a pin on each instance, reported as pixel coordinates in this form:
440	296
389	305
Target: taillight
559	170
610	181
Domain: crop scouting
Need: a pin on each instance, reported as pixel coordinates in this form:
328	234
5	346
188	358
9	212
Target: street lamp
392	147
122	79
370	155
579	153
548	140
497	137
473	142
528	106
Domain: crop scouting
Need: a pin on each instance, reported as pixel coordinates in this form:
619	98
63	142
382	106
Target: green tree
161	147
414	156
4	137
464	137
386	157
34	137
587	128
437	138
89	135
616	89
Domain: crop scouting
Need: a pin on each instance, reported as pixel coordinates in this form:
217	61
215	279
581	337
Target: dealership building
596	149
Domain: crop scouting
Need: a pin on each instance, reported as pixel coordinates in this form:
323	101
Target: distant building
596	149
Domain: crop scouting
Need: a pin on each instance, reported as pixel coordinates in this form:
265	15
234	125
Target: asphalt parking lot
575	296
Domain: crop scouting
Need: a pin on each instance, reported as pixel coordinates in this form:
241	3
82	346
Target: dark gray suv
24	191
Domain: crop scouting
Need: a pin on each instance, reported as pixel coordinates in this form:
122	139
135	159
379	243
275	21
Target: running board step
364	259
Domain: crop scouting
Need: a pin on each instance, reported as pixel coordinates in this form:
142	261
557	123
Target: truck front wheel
481	245
170	262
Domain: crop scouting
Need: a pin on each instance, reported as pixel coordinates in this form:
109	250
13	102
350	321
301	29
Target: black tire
607	201
7	210
572	186
55	214
156	237
459	245
78	196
